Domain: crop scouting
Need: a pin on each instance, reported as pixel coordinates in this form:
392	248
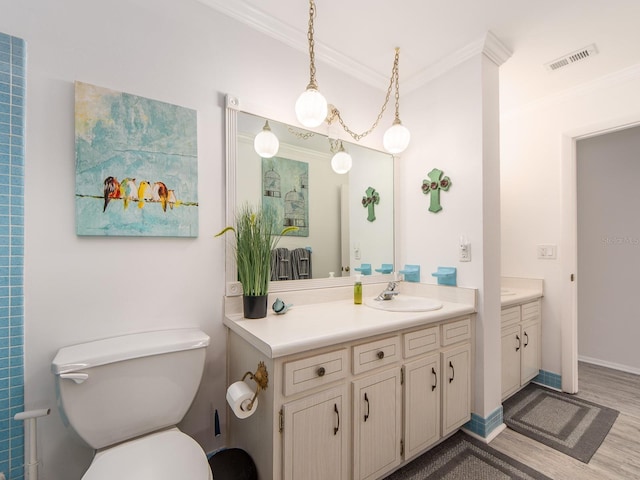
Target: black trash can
232	464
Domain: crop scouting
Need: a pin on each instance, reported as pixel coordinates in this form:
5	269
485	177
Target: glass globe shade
266	143
341	162
311	108
396	138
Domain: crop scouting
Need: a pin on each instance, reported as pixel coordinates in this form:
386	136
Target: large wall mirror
342	234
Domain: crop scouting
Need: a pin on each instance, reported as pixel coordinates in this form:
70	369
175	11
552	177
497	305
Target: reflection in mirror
345	220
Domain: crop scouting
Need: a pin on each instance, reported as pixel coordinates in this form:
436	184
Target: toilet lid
166	455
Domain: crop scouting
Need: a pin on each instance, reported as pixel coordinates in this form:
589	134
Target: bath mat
462	457
561	421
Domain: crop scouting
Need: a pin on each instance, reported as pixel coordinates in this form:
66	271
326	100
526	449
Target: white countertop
519	290
317	325
517	296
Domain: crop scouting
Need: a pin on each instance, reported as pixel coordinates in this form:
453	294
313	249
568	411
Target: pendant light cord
334	113
312	55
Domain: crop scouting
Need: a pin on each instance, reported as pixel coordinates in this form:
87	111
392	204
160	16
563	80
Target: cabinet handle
527	336
435	376
380	355
453	372
321	371
335	409
519	342
366	399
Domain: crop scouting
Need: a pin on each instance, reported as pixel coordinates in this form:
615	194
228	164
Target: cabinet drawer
310	372
531	311
456	331
510	316
375	354
421	341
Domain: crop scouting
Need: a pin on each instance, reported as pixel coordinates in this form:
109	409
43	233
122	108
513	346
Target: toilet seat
166	455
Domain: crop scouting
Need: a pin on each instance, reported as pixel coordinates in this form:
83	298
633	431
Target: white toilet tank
117	388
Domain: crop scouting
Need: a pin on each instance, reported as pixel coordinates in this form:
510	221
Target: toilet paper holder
261	377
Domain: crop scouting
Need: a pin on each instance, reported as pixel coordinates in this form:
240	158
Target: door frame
569	240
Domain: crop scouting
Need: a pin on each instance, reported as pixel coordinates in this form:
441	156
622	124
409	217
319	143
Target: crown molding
497	51
488	45
297	39
258	20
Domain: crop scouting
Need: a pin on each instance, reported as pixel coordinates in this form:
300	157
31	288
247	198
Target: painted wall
455	124
535	186
608	168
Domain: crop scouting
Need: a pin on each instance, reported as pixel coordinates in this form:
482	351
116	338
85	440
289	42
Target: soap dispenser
357	291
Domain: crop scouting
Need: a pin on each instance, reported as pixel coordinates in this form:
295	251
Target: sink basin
506	291
404	303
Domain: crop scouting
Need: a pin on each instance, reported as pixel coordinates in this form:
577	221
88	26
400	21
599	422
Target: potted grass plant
255	238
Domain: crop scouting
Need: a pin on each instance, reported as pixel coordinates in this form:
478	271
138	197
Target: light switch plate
547	252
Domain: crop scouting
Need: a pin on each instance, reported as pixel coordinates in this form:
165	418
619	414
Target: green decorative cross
433	187
372	198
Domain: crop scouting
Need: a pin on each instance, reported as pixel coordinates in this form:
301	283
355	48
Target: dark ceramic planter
255	306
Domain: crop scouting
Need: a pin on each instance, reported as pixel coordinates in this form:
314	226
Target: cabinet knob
380	355
321	371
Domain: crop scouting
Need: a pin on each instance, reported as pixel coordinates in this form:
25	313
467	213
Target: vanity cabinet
359	409
456	388
521	347
437	386
422	392
377	424
314	439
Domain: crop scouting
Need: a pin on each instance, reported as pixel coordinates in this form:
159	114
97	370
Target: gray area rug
561	421
462	457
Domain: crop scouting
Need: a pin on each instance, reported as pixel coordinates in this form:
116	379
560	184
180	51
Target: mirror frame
233	287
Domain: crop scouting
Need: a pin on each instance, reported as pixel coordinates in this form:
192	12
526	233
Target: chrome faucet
389	292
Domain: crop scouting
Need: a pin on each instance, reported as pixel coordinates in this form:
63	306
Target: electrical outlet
464	252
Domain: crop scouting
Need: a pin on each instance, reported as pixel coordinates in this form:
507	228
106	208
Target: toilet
124	397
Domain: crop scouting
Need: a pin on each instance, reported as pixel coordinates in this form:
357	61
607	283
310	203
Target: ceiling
359	37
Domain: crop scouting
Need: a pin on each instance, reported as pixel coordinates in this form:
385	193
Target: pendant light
341	161
312	108
266	143
396	138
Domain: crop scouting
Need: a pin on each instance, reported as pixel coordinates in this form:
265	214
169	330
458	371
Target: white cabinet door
456	388
315	437
377	414
511	346
422	387
530	364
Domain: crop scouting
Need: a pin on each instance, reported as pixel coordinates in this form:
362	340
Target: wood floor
618	458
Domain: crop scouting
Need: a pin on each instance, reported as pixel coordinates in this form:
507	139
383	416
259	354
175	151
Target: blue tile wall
549	379
12	126
484	426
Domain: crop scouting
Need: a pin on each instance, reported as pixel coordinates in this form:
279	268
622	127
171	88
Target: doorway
571	268
608	248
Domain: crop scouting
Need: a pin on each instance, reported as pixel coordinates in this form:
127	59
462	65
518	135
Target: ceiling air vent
572	57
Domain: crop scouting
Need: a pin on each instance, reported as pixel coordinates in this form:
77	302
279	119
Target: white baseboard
604	363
